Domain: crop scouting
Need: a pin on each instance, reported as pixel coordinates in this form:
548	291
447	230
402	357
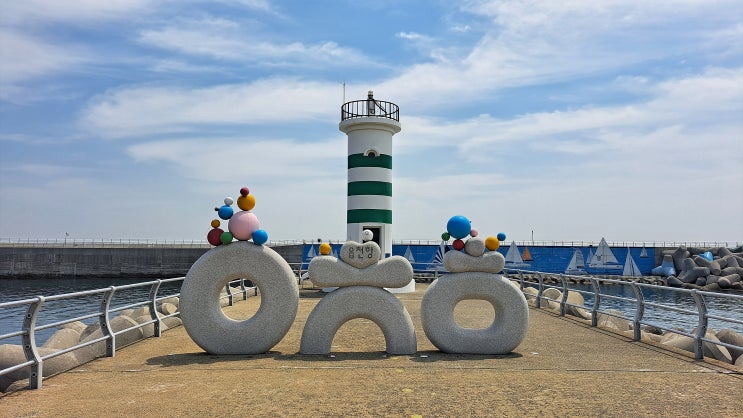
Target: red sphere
244	191
458	244
214	236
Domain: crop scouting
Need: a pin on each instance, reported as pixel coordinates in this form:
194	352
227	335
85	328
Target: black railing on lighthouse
370	107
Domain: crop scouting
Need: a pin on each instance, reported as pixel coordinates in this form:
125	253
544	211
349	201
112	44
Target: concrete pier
562	368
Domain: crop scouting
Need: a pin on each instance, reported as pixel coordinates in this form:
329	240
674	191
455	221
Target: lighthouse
370	125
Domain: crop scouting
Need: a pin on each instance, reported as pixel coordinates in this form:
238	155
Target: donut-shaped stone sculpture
347	303
502	336
202	314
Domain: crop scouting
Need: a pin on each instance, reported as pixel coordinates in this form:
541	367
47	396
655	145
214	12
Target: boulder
98	349
610	321
168	309
674	282
729	336
650	329
77	326
739	362
701	281
171	322
63	338
11	354
724	283
174	300
691	275
678	257
712	287
731	270
142	310
147	330
722	252
576	298
718	352
532	292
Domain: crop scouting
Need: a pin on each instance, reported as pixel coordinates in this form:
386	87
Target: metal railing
370	108
118	243
702	312
29	327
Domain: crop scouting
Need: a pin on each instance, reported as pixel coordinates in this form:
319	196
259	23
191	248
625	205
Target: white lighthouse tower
370	125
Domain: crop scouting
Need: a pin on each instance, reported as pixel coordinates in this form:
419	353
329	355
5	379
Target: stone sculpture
361	276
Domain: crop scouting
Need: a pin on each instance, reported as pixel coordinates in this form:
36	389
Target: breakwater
126	261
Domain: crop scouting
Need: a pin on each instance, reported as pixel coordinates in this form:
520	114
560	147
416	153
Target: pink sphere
243	224
473	233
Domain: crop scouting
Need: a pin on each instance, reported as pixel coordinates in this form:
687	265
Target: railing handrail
360	109
698	297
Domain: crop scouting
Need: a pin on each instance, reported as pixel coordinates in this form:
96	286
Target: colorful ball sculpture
242	225
260	236
458	226
225	212
325	248
458	244
226	237
214	236
492	243
367	235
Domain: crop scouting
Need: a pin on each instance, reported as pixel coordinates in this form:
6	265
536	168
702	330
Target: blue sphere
458	226
501	236
225	212
260	236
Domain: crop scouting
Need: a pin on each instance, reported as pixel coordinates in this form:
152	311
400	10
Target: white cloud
26	58
30	11
148	110
226	40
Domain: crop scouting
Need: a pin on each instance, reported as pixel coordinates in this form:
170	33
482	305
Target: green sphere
226	237
445	236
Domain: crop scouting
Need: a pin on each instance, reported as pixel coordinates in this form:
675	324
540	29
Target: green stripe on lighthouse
357	216
379	188
360	160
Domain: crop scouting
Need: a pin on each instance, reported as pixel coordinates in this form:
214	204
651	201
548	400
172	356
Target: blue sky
573	119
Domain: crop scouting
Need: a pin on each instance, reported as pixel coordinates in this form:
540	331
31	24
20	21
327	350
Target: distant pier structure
370	125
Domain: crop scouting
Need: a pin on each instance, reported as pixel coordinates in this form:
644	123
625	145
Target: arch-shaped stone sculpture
502	336
202	314
345	304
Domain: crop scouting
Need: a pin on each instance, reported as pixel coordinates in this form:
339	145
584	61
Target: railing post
36	370
540	290
639	311
521	279
596	301
564	299
228	289
244	289
106	323
153	308
701	327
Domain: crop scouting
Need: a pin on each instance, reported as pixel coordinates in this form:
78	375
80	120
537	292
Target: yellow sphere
492	243
246	202
215	223
324	248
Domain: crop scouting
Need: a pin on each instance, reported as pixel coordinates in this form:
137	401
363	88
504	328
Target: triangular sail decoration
630	267
526	256
438	258
644	252
604	258
577	263
513	257
409	255
311	253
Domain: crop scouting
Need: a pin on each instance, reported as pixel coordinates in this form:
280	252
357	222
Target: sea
11	319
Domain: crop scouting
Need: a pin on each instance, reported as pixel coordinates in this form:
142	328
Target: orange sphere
246	202
215	223
492	243
325	248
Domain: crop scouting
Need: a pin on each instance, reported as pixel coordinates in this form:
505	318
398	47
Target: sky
552	120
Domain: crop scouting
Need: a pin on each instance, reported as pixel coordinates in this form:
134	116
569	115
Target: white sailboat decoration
604	258
311	253
577	264
513	257
630	267
409	255
438	259
644	252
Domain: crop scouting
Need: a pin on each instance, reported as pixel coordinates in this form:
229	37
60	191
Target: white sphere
367	235
228	201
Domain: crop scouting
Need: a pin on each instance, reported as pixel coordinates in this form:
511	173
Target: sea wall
123	261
